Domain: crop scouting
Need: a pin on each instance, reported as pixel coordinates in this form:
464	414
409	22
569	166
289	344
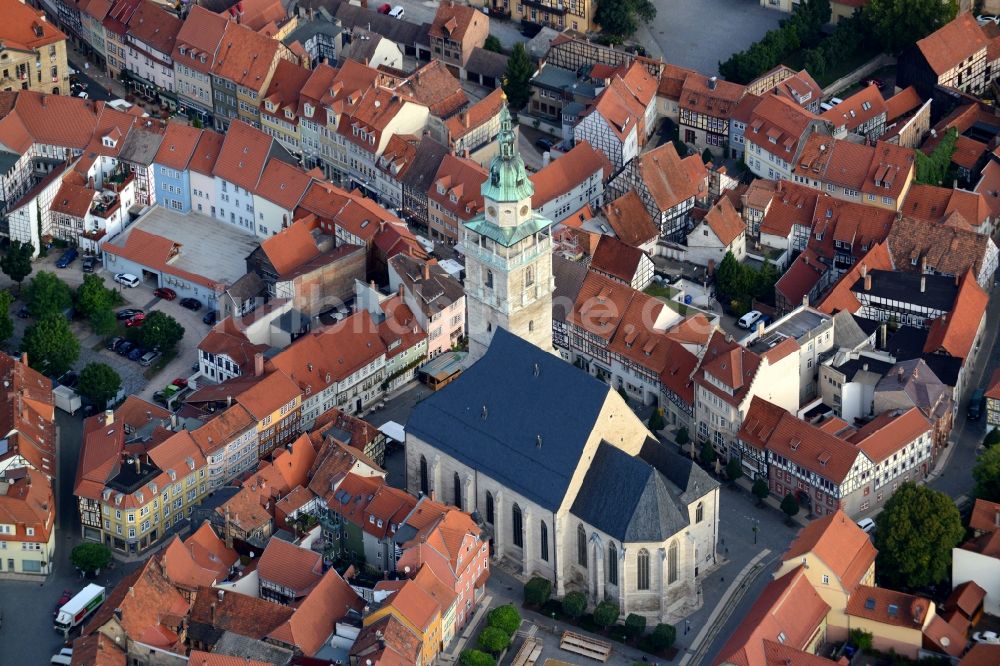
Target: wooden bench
587	647
524	655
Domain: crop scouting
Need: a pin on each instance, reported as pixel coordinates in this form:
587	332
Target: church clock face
491	211
524	211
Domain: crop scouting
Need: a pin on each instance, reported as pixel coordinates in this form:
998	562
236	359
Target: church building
569	481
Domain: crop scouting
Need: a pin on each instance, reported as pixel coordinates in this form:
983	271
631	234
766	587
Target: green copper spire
508	181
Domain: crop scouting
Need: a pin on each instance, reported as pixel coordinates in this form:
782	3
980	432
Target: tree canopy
476	658
619	19
914	536
99	383
16	262
899	23
574	604
517	78
6	323
740	284
493	640
51	346
790	506
89	557
986	474
47	294
160	331
493	44
606	613
506	618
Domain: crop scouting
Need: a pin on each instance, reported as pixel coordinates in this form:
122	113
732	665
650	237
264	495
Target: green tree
760	489
493	640
706	156
729	277
914	536
90	557
663	636
635	625
160	331
92	296
47	294
476	658
517	78
606	614
505	617
6	323
790	506
683	437
933	169
16	262
537	591
707	454
898	24
992	438
51	346
619	19
986	474
655	422
734	469
98	383
574	604
493	44
103	322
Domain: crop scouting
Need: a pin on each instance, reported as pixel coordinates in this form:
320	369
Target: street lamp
756	527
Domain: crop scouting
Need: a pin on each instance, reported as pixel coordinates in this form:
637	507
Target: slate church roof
519	415
628	499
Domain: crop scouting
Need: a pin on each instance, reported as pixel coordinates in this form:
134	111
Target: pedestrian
722	578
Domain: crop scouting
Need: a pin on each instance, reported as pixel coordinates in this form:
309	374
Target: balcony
106	205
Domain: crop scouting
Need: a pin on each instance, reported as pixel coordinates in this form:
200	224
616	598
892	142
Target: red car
135	320
180	382
385	8
165	293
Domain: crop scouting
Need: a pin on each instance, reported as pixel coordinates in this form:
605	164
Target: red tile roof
199	658
777	124
620	110
985	514
27	503
315	619
22	24
788	606
476	115
239	613
453	20
295	568
857	109
670	179
565	173
715	99
245	57
760	422
889	432
955	333
27	414
630	220
371	504
97	650
836	540
888	606
902	103
434	86
283	91
154	26
201	560
967	598
283	184
243	156
199	38
462	179
725	222
616	260
729	363
178	145
840	296
206	153
948	46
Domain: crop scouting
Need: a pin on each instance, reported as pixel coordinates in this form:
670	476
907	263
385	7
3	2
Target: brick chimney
258	364
923	283
868	282
427	270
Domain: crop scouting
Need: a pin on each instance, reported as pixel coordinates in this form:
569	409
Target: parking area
701	33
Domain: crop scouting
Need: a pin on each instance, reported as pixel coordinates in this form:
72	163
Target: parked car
975	409
124	347
89	264
83	95
384	8
69	379
127	279
136	354
128	313
210	318
180	381
135	320
191	304
867	524
749	319
67	258
165	293
543	145
148	358
397	12
113	343
23	312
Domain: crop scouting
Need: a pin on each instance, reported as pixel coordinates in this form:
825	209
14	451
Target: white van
61	660
397	12
867	524
749	319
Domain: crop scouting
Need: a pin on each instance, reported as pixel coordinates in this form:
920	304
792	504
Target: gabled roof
216	611
840	296
371	504
206	153
567	172
283	184
760	422
616	260
724	221
948	46
619	108
199	39
710	96
26	28
315	618
97	650
201	560
178	146
387	642
289	566
788	606
841	545
902	103
670	179
955	333
283	91
857	109
462	179
966	597
493	417
434	86
243	156
630	220
245	57
480	113
888	606
453	20
889	432
777	124
153	25
985	516
27	415
28	502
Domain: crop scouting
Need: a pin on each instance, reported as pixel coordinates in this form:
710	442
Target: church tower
508	255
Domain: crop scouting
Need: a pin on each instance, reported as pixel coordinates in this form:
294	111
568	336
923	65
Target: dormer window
309	109
452	198
440	188
108	142
182	50
203	58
